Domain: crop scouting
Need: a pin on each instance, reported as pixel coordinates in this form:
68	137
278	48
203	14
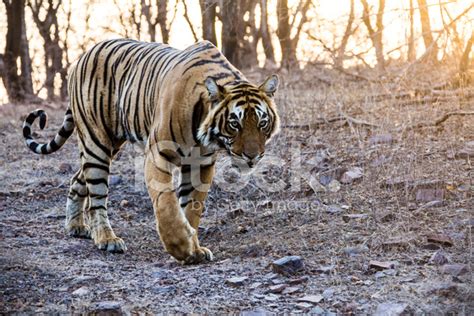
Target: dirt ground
365	186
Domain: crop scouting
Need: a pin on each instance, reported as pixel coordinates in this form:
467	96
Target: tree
156	14
289	44
375	33
53	54
208	15
411	41
18	86
464	64
430	44
230	40
265	35
338	63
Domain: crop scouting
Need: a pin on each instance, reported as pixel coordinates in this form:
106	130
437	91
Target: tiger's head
242	119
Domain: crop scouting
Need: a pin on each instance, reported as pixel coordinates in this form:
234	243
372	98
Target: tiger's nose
252	158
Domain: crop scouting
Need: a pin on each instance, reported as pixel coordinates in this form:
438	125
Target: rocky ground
377	210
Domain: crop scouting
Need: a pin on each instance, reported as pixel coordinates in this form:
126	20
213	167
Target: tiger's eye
234	124
263	124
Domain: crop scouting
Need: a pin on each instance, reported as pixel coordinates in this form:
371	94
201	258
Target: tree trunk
376	34
411	54
430	44
20	86
230	41
162	20
265	34
464	64
347	33
288	58
208	15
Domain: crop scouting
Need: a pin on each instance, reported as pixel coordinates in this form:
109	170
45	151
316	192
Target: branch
186	16
438	121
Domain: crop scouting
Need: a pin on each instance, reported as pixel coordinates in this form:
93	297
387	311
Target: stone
455	269
298	280
357	250
107	308
325	269
334	209
334	186
303	306
65	167
275	289
352	175
381	139
381	265
291	290
347	217
236	281
466	152
317	311
82	291
440	239
390	309
430	195
313	299
271	297
439	258
288	265
124	203
328	293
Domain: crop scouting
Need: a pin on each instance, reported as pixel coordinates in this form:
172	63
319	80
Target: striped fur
182	106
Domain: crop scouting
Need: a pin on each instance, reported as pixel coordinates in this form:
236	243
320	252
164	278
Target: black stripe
197	117
183	205
65	133
97	207
98	181
173	138
95	165
54	146
185	191
26	132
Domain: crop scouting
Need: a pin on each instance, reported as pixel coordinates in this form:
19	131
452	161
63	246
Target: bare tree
375	33
289	44
53	55
190	23
465	61
430	44
265	35
338	63
208	15
18	86
230	25
411	54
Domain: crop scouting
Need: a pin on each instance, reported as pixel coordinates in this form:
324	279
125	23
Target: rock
255	285
347	217
115	179
233	214
439	258
328	293
430	195
325	269
317	311
440	239
313	299
303	306
466	152
236	281
334	209
271	297
354	251
291	290
257	312
107	308
82	291
275	289
381	265
390	309
242	229
124	203
455	269
352	175
334	186
298	280
381	139
288	265
325	180
65	167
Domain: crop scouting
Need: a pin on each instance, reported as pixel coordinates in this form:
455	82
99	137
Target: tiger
182	107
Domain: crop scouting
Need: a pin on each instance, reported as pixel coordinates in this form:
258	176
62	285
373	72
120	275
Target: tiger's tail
59	139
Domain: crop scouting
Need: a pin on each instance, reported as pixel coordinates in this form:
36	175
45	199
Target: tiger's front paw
79	231
112	245
202	254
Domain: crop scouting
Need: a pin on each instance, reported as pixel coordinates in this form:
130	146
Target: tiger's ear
270	85
216	92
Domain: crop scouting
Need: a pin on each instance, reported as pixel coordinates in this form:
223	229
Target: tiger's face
242	119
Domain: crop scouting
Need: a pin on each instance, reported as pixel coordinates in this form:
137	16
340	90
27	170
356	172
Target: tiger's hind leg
96	172
75	223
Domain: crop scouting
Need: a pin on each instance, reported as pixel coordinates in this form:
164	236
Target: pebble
275	289
291	290
334	209
236	281
439	258
82	291
352	175
354	251
334	186
107	308
124	203
288	265
314	299
304	306
455	269
328	293
381	139
115	179
65	167
392	309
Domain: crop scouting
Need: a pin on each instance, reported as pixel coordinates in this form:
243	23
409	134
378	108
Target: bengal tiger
183	106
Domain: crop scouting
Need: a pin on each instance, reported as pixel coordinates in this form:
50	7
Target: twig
438	121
